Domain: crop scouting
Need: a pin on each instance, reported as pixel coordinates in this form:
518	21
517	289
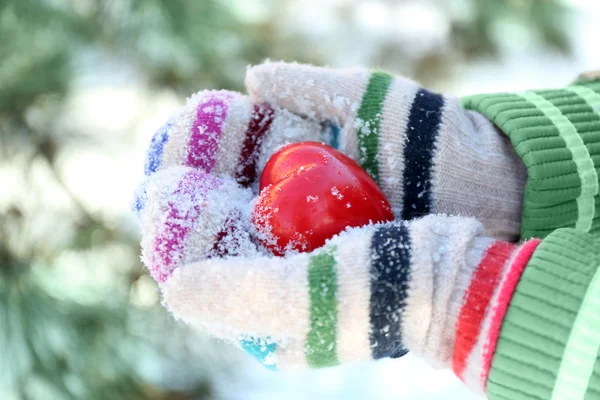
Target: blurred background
84	84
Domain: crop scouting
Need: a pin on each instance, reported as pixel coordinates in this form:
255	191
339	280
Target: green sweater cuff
549	339
557	135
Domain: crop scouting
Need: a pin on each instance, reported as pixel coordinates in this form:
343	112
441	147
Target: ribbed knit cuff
557	135
483	307
549	339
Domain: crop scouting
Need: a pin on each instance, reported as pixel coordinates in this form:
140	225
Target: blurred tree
446	34
62	340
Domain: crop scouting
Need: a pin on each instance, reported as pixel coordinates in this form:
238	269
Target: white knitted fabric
183	214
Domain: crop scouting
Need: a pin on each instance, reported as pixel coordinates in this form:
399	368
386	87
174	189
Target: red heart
310	192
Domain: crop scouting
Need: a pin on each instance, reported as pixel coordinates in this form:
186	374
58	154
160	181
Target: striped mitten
427	153
224	133
188	215
436	286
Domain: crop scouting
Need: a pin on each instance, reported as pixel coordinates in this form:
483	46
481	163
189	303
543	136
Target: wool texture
224	133
483	308
184	220
512	321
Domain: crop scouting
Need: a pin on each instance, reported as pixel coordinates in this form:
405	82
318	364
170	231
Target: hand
430	286
427	153
218	140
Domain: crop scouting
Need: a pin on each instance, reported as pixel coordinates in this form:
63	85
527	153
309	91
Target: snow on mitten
189	216
435	286
427	153
224	133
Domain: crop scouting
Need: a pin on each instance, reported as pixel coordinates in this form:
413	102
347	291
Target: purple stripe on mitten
183	210
206	131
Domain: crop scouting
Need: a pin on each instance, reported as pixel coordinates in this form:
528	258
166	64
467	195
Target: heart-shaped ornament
310	192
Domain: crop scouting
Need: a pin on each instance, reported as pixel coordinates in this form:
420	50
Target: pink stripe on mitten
183	210
211	115
190	216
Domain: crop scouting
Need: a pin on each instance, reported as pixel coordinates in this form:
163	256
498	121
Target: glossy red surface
309	192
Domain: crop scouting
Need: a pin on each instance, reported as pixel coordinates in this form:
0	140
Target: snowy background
116	101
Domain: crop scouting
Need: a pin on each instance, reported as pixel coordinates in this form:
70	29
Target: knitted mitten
427	153
515	321
188	215
436	286
224	133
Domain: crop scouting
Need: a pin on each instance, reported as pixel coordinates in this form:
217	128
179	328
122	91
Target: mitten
224	133
514	321
217	140
436	286
427	153
189	215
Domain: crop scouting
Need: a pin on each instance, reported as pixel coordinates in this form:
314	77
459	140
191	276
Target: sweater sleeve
546	346
557	135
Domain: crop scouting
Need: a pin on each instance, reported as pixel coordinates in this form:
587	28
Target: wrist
553	131
445	255
477	173
459	287
546	341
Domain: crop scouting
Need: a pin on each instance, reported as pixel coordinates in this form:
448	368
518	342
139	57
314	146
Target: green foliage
475	37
